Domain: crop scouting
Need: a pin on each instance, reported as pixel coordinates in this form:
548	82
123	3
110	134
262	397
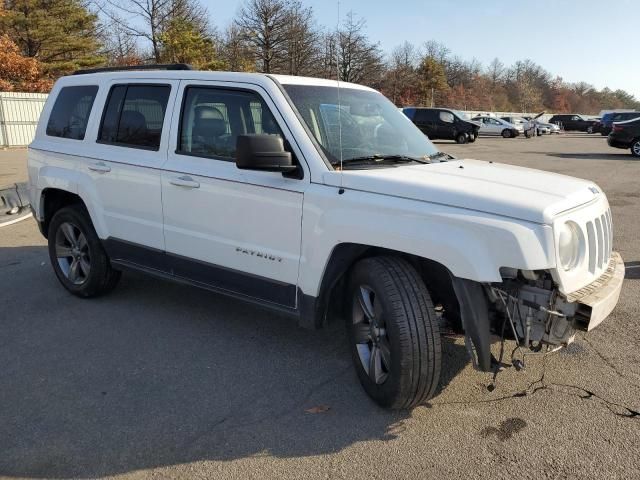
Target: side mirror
264	153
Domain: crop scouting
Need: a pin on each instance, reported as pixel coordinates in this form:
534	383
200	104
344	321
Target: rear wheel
635	148
506	133
77	256
461	138
472	138
589	129
393	332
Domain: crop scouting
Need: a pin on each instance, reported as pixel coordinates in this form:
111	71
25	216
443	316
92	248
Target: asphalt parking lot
161	380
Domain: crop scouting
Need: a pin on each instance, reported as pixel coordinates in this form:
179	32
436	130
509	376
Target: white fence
19	113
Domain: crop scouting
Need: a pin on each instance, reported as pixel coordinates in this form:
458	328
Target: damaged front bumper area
527	306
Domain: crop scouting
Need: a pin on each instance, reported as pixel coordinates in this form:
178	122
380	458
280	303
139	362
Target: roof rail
168	66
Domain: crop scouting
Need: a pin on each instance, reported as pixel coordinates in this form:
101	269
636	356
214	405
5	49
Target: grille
600	241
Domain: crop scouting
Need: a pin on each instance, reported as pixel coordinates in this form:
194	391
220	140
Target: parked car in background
554	128
443	124
522	124
608	119
626	135
575	123
492	126
542	128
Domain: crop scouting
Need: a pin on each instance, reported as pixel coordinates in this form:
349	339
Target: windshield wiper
377	158
442	155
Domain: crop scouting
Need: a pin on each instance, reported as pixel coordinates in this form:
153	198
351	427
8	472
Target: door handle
184	181
100	167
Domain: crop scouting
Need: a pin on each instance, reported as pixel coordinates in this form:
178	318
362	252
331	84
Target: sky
578	40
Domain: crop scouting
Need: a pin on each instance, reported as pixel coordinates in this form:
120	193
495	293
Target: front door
234	230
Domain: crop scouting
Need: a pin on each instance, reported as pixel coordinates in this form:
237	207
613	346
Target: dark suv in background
606	124
626	135
575	123
443	123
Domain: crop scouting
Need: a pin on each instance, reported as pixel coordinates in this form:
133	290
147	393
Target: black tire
101	277
411	335
506	133
472	138
590	130
462	138
635	148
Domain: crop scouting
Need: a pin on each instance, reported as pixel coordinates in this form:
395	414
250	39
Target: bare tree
400	82
327	66
120	46
149	19
495	71
436	50
301	45
235	51
359	60
264	25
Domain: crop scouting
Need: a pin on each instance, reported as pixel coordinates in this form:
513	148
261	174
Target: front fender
472	245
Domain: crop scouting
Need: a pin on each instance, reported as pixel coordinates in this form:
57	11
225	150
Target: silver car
493	126
527	127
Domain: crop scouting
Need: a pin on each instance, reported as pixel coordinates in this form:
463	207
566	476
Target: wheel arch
315	310
52	200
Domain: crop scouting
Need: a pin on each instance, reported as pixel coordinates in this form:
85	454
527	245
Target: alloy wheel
636	148
72	252
370	335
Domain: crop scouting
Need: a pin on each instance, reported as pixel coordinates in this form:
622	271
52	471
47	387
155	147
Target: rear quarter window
70	113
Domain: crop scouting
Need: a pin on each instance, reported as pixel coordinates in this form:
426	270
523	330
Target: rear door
233	230
575	122
125	165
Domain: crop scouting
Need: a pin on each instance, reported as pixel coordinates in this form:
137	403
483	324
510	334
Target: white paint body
473	217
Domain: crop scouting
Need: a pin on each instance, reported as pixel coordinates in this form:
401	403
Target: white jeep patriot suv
321	201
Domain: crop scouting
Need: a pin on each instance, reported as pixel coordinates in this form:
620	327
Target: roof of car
635	119
244	77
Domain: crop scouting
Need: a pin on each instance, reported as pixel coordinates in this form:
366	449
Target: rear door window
70	112
134	115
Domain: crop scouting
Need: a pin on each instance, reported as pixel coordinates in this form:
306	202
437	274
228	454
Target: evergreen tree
63	35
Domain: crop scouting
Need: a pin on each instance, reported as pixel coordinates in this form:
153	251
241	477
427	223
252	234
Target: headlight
570	245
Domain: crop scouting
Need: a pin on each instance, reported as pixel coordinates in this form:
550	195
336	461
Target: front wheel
461	138
77	256
635	148
506	133
393	332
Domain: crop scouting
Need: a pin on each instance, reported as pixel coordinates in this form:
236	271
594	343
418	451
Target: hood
495	188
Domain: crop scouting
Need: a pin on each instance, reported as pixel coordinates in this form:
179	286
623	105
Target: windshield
371	126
